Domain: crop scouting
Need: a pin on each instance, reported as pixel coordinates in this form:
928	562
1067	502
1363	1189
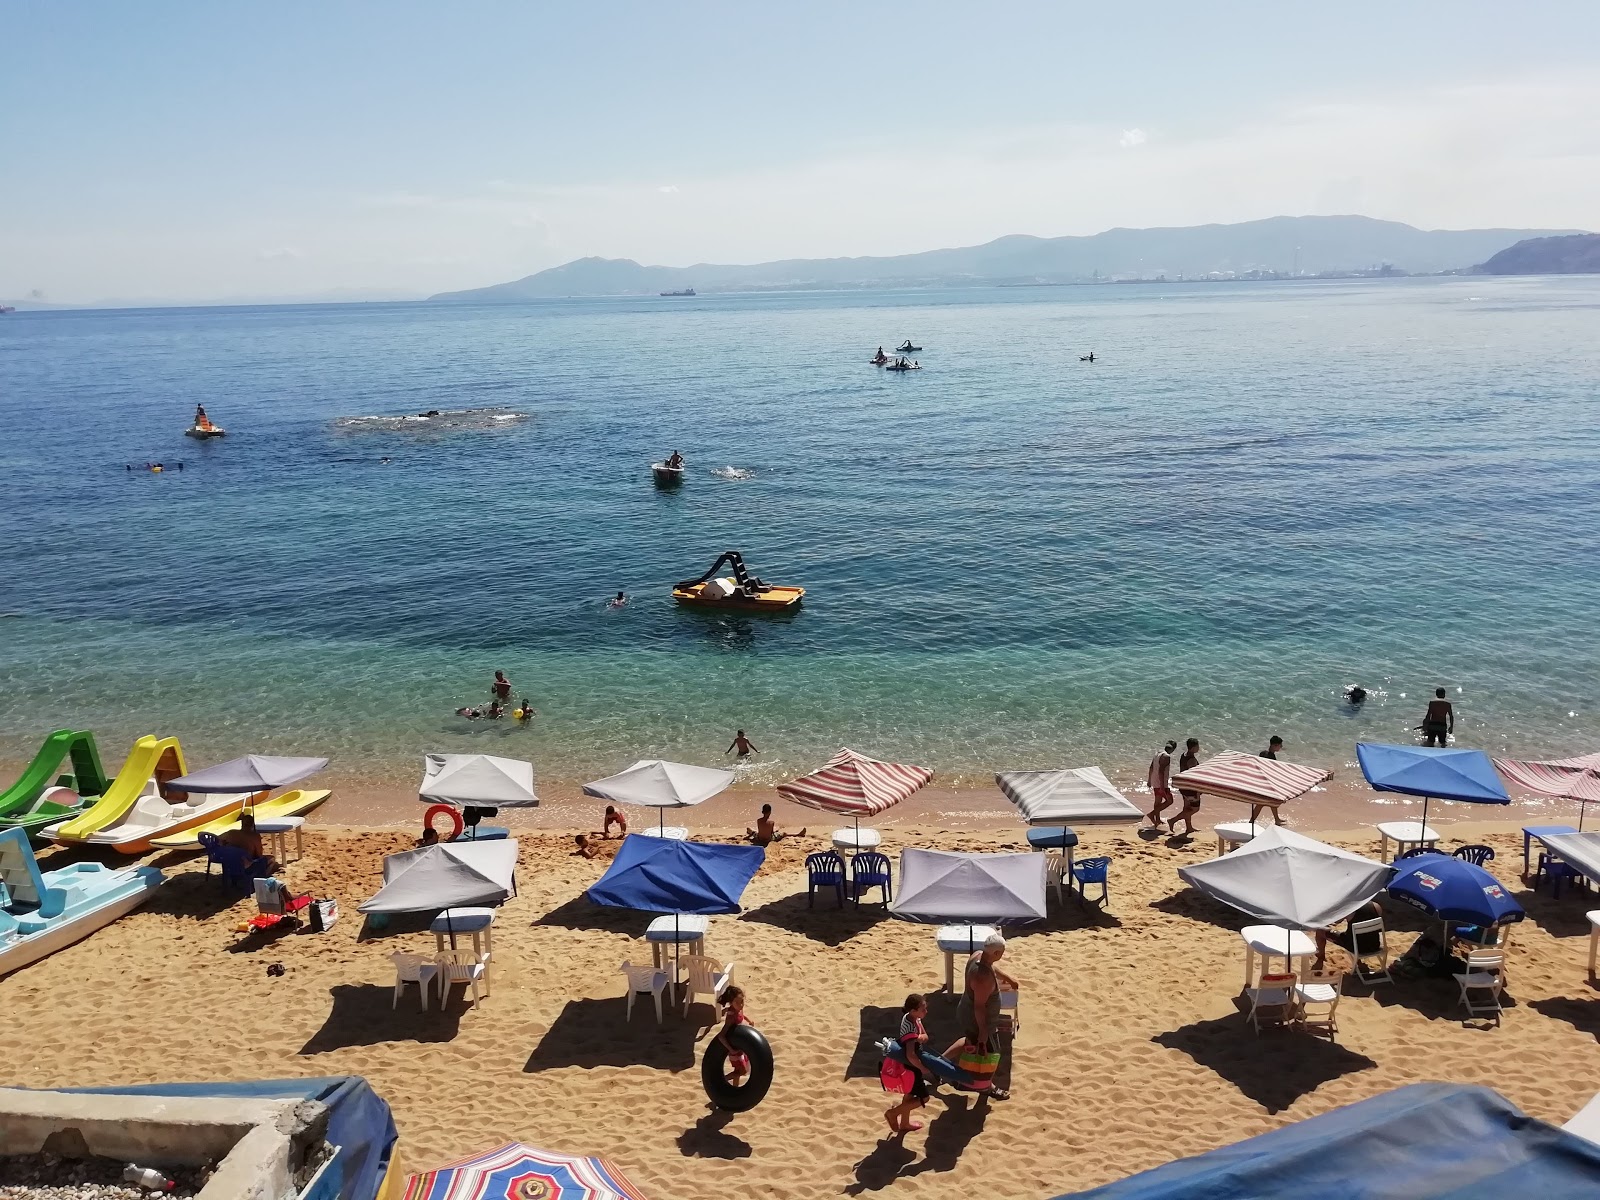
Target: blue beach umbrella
518	1172
1429	771
1453	889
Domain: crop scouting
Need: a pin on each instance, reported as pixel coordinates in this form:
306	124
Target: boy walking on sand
1160	785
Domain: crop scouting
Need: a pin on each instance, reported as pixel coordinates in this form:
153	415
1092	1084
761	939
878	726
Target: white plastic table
1594	938
676	929
1231	834
850	840
277	827
1404	835
1273	941
674	833
959	939
478	922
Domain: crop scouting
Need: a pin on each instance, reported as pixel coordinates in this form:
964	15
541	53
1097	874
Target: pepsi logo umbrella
518	1172
1432	772
854	785
1563	778
1453	889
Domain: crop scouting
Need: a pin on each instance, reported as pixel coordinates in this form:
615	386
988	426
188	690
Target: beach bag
323	915
979	1063
896	1077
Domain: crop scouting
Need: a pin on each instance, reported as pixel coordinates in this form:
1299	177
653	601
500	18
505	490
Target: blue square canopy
1429	1141
664	875
1453	889
1439	772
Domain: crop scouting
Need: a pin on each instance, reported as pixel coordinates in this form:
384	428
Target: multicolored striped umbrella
1251	779
1563	778
855	785
518	1172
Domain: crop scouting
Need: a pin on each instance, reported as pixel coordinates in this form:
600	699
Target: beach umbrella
1073	796
855	786
656	783
1432	771
1563	778
1289	879
1453	889
252	773
971	889
1251	779
518	1172
477	781
446	875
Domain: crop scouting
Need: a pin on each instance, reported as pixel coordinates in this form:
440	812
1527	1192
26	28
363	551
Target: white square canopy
1072	796
446	875
656	783
479	780
1290	879
938	885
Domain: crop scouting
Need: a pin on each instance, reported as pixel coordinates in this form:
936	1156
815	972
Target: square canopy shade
1251	779
1432	772
446	875
252	773
989	889
652	874
855	785
1073	796
478	780
1563	778
1290	879
655	783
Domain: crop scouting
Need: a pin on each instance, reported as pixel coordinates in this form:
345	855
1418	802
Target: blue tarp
1444	774
359	1121
664	875
1452	889
1429	1141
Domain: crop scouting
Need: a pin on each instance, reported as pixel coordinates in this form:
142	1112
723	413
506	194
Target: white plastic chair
1275	992
1010	1014
413	968
1367	941
1316	1001
1485	974
643	978
1056	871
463	967
702	976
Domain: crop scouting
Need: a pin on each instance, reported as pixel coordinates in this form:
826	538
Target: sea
1255	496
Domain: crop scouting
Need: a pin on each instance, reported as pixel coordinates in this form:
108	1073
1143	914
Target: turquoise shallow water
1258	494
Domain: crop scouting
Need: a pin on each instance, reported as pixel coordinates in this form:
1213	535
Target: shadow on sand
597	1033
1582	1015
828	923
707	1138
949	1134
196	895
365	1014
580	913
1274	1068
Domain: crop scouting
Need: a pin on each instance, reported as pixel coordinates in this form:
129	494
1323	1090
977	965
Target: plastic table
959	939
484	833
1404	834
478	922
1055	838
277	827
1529	832
1273	941
673	833
676	929
849	840
1231	834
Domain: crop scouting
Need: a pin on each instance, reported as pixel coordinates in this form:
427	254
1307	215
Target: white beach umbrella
1290	879
446	875
656	783
976	889
479	780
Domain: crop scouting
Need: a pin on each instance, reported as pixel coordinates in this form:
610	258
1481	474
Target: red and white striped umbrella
1563	778
855	785
1250	778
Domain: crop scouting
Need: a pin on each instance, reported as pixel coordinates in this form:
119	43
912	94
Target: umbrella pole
1425	800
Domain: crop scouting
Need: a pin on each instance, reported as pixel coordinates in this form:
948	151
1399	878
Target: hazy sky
185	150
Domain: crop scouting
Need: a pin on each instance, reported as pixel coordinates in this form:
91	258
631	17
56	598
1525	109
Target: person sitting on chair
245	838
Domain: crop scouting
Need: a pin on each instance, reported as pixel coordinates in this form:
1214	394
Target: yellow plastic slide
154	758
290	804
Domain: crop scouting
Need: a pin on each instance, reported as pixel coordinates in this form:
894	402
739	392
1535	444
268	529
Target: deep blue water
1256	495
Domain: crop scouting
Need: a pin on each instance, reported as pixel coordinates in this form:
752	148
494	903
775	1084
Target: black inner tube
714	1069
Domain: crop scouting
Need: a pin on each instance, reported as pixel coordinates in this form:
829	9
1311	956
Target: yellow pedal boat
743	591
291	804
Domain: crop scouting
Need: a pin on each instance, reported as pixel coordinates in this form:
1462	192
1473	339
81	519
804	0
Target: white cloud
1131	138
667	189
279	254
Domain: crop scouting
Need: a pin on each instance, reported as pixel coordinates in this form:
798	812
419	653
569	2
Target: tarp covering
359	1122
1073	796
1434	771
989	889
1565	778
656	783
481	780
855	785
1234	775
1453	889
1579	850
252	773
515	1171
1429	1141
662	875
1290	879
446	875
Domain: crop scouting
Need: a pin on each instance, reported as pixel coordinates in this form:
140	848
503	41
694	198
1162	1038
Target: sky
185	151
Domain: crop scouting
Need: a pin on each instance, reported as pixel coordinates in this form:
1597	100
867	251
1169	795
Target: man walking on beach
1159	778
1439	722
1191	800
1274	744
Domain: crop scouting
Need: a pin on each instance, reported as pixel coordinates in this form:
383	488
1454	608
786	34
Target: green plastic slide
89	778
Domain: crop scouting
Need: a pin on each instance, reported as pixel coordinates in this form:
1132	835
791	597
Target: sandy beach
1132	1050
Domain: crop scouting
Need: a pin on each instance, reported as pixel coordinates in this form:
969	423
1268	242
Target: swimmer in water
618	601
471	714
1355	693
527	712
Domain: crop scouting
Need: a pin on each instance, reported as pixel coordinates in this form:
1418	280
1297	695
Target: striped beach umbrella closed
518	1172
1250	779
855	785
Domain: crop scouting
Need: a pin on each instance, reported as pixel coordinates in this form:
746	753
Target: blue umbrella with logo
1453	890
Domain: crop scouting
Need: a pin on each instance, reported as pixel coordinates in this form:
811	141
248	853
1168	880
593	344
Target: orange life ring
455	820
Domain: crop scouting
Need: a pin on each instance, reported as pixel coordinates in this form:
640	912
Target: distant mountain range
1573	254
1277	245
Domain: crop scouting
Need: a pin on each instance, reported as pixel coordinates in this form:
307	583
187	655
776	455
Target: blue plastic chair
236	872
824	870
1093	870
1557	872
871	870
1476	855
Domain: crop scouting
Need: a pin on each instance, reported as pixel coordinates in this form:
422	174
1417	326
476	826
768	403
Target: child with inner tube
911	1039
732	1001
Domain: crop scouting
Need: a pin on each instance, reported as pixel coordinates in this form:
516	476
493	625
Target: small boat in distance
202	427
670	472
6	308
901	364
685	292
908	348
743	591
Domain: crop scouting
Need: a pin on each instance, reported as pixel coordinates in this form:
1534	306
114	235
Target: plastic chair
1557	871
270	899
1010	1014
643	978
1275	992
871	870
702	976
1368	941
463	967
1316	1001
1485	974
1092	870
1414	851
1477	855
235	866
1055	872
413	968
824	870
